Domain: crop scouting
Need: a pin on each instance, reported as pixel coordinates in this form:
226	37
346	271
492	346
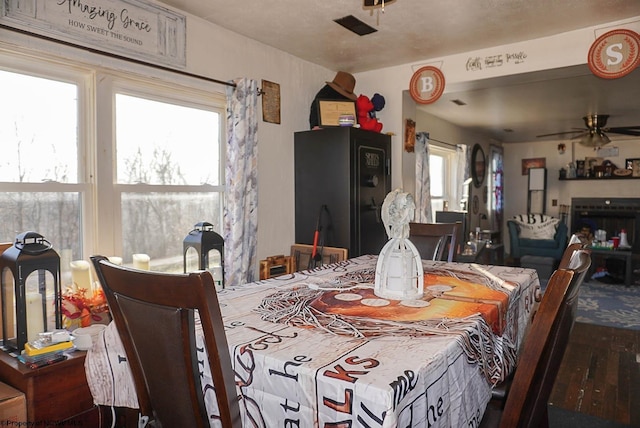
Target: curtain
423	182
462	173
241	183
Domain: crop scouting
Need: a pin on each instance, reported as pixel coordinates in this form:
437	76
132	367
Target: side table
625	255
472	257
55	394
495	253
487	254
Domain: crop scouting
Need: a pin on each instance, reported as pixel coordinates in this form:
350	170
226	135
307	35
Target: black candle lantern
31	304
207	247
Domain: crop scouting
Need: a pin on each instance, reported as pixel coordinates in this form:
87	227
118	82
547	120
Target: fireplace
610	214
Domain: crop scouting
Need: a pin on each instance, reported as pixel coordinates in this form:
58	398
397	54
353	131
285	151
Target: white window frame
82	78
100	194
109	191
449	179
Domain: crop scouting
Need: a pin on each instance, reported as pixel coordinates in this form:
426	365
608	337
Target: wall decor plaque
409	135
270	102
533	163
614	54
131	28
427	85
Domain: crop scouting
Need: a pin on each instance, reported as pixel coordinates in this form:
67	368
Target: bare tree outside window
39	164
165	146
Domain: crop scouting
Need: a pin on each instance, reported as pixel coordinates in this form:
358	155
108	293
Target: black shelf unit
613	177
348	170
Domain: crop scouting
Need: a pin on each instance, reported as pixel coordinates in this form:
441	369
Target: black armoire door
348	170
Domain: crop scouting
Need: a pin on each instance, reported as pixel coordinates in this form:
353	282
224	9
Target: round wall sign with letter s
615	54
427	85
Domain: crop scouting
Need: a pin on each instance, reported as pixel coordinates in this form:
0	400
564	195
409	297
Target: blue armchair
537	247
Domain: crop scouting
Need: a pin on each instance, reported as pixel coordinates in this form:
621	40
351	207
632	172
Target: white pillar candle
141	261
81	276
115	260
35	319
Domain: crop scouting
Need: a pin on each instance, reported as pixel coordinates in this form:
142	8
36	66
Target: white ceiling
415	30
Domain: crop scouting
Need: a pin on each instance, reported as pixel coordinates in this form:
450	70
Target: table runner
292	376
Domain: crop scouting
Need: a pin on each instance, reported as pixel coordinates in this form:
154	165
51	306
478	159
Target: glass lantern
203	249
30	290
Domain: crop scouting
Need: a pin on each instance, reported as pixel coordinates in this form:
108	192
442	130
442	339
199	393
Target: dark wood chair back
543	349
435	241
155	317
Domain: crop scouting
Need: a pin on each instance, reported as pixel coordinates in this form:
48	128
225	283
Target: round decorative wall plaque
614	54
427	85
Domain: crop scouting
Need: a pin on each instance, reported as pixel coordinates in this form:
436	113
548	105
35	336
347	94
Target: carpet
611	305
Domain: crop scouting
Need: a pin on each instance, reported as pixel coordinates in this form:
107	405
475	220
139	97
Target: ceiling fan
594	135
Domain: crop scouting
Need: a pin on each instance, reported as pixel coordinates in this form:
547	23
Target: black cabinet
348	170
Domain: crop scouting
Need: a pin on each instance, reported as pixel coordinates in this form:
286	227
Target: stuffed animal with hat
364	108
340	88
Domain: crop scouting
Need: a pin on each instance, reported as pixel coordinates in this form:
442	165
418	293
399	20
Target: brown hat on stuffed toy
344	83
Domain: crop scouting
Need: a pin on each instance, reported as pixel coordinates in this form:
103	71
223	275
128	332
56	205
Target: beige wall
218	53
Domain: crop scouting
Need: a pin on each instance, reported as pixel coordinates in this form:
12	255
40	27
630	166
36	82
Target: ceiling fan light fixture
372	4
594	138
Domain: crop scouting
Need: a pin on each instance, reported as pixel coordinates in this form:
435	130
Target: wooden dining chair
155	317
301	254
435	240
525	404
569	259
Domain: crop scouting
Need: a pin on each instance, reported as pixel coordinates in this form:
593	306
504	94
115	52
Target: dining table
318	348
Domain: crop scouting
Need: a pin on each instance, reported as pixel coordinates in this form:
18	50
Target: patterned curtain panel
462	173
241	183
423	182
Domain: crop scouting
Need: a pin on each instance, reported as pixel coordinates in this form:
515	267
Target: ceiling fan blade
626	127
560	133
628	130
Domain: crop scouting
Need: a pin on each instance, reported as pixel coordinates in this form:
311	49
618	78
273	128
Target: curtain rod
443	142
121	57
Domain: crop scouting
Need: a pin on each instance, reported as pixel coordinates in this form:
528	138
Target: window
42	184
442	176
168	174
107	163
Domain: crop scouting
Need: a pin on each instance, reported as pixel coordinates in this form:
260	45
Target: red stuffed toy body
363	107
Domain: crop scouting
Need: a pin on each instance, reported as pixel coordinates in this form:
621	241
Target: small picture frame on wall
533	163
270	102
634	166
409	135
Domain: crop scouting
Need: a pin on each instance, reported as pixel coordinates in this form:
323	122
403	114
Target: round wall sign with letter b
427	85
614	54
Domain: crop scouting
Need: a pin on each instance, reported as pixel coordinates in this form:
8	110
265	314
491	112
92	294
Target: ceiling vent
353	24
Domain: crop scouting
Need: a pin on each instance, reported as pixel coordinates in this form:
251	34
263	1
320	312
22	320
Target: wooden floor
599	380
